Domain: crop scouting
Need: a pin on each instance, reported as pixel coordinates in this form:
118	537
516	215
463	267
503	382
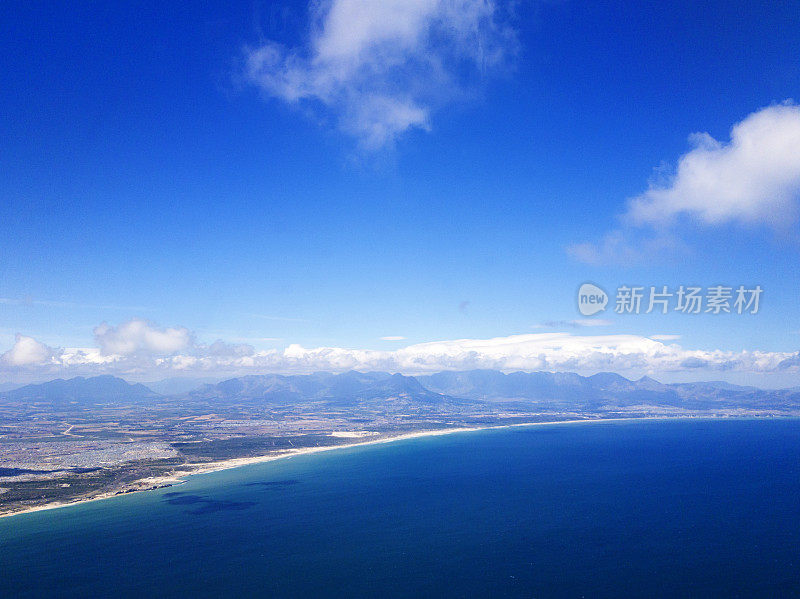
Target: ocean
679	508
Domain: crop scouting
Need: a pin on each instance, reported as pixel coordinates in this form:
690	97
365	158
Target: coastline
154	483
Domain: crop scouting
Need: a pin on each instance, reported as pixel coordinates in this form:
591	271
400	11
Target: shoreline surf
162	482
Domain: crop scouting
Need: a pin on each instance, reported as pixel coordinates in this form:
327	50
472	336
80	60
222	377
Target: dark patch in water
207	506
186	499
218	506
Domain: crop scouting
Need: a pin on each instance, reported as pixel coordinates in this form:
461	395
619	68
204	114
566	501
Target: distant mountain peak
96	389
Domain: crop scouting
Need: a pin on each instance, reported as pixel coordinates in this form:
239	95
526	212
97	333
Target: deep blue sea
618	509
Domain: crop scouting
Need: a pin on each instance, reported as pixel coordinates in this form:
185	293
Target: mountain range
440	390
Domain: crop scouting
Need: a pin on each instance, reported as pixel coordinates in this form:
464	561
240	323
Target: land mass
72	440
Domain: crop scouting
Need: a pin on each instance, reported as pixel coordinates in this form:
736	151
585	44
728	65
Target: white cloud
752	179
392	338
221	349
139	335
26	351
381	68
591	322
665	337
171	353
577	323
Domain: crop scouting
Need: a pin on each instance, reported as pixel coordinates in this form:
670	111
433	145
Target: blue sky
242	173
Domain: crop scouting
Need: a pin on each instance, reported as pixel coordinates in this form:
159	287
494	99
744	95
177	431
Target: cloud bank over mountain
139	348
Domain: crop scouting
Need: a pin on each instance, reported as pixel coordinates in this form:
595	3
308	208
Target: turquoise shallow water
635	509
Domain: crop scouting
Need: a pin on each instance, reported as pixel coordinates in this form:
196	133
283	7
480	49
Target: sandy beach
150	484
